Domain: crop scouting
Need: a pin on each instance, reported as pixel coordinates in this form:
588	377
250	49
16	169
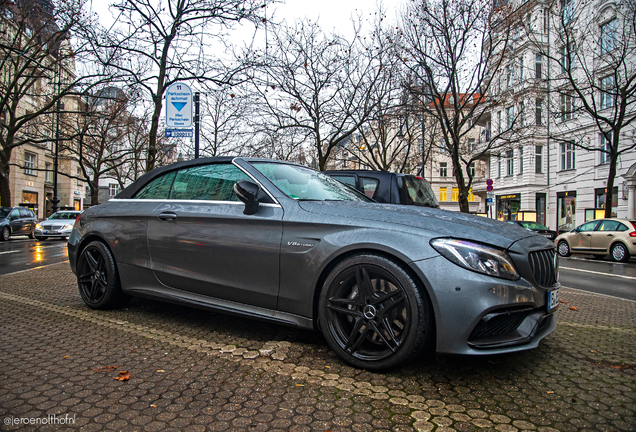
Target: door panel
582	240
604	235
212	248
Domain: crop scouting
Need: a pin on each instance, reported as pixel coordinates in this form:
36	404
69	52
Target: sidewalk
195	370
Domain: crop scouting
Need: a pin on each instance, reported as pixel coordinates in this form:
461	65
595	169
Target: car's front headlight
38	226
477	257
65	227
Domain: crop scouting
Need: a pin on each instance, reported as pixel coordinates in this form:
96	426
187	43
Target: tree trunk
94	186
611	175
5	189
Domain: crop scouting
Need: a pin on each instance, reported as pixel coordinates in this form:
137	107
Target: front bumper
53	233
477	314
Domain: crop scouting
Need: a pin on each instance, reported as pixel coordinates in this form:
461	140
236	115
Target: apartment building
550	167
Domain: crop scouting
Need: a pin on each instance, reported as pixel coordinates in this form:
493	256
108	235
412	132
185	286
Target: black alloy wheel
5	234
98	279
564	249
373	314
619	252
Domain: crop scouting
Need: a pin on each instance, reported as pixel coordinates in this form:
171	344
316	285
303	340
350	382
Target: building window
471	170
567	107
455	194
607	92
538	66
510	116
568	156
538	113
510	162
471	196
471	145
608	36
538	159
567	10
442	194
113	189
606	147
30	164
443	170
510	79
520	160
522	117
79	175
48	173
499	124
520	70
546	20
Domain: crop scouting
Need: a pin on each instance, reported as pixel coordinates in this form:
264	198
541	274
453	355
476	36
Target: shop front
600	196
566	211
508	206
30	200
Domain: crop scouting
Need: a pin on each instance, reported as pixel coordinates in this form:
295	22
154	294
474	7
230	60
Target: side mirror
247	192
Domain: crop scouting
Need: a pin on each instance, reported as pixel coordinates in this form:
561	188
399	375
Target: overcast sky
331	14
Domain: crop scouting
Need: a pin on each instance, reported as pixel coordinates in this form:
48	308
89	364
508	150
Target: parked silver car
281	242
59	225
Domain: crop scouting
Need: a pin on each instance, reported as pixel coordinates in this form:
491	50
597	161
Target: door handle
588	235
167	216
610	235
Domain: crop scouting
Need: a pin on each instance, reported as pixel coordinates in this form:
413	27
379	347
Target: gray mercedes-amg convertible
282	242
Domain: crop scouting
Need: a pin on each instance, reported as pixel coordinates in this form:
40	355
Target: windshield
416	191
305	184
533	225
68	216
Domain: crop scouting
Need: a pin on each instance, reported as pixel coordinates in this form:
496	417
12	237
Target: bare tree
315	83
452	49
38	80
593	79
156	43
103	135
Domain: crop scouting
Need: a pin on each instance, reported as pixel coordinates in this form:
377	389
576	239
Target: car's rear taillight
78	218
633	233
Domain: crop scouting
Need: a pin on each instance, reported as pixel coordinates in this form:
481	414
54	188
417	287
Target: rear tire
373	314
98	279
619	252
564	249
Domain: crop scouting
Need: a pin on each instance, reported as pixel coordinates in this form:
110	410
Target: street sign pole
196	125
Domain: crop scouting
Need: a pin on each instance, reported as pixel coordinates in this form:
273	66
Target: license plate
553	299
46	232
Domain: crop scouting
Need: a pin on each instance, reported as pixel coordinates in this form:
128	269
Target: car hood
438	223
48	223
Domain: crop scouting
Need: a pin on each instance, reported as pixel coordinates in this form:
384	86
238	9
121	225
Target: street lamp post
55	201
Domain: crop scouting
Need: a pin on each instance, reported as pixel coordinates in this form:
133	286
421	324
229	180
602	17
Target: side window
15	214
213	182
621	227
588	226
348	180
369	186
609	225
25	213
159	188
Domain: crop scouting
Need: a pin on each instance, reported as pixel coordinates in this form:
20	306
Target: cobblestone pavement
195	370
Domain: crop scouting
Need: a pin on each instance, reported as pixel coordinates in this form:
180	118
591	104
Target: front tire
564	249
373	314
32	233
5	234
98	279
620	253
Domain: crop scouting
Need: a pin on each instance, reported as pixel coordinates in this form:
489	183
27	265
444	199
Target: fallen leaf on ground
563	301
160	370
573	308
123	376
550	392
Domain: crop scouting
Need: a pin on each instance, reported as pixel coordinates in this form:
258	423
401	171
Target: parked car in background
16	221
278	241
616	237
536	227
58	225
388	187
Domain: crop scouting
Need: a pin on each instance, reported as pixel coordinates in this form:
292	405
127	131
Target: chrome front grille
545	268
